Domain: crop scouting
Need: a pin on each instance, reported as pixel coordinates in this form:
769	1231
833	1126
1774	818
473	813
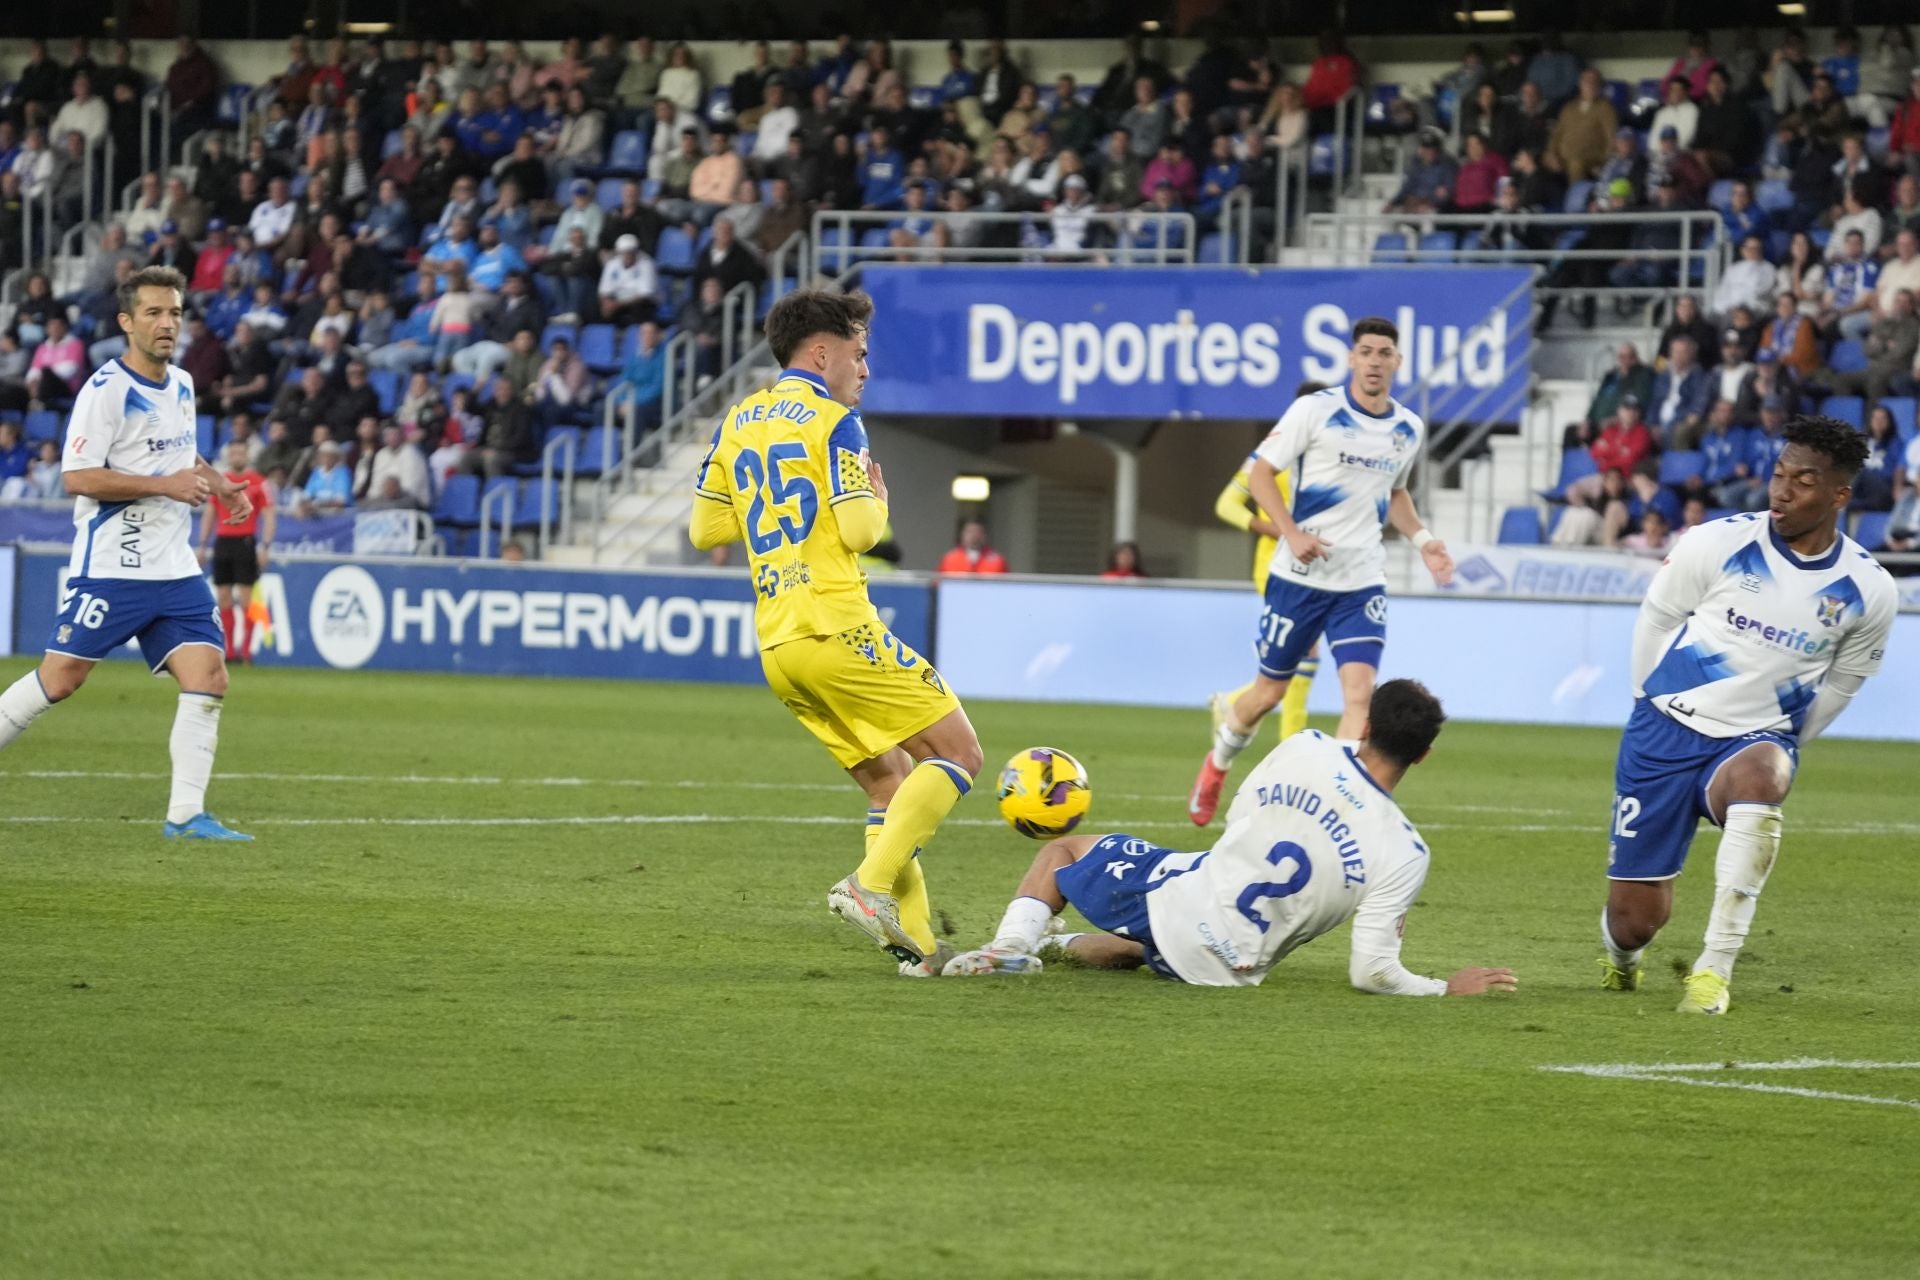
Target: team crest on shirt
66	633
1830	610
933	679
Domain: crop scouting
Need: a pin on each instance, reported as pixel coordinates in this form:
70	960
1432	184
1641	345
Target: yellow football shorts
862	692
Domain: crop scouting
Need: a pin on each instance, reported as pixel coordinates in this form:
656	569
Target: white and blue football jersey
129	424
1311	842
1346	463
1763	626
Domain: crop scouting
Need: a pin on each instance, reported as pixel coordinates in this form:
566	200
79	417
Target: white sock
1749	844
196	732
1064	941
1023	926
21	705
1229	742
1622	958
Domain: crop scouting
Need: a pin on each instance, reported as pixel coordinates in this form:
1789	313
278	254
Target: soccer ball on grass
1044	793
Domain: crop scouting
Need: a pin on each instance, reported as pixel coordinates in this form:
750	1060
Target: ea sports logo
347	617
1377	610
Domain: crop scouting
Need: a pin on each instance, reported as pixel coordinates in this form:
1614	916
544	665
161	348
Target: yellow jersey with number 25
791	462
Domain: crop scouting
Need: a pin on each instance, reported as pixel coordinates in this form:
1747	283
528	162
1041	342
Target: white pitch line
641	784
1668	1073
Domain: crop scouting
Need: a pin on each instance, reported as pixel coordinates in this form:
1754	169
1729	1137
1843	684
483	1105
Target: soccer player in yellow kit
789	474
1236	507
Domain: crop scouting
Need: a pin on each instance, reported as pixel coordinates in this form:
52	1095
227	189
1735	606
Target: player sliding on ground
132	464
1351	450
1235	506
1313	838
1759	629
789	474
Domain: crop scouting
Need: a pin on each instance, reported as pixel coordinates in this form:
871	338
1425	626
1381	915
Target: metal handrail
742	294
849	252
1286	191
1702	253
551	521
157	103
502	498
799	244
1236	222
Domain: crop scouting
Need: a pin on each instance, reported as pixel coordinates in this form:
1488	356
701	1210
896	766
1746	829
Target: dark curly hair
804	312
1846	448
1403	720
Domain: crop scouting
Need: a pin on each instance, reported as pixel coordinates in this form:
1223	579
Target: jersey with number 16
785	458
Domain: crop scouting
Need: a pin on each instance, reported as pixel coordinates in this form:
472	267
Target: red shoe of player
1205	798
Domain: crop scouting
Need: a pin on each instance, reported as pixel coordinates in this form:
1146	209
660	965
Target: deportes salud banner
494	619
1192	342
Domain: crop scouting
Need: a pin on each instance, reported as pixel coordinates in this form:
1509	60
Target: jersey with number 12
785	458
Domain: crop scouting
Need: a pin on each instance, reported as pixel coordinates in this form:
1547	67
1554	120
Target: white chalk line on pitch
1692	1073
812	820
642	784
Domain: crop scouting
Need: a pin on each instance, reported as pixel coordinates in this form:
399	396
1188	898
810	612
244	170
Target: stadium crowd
428	258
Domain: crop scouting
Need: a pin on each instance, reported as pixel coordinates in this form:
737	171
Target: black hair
805	312
1844	446
1376	327
1307	388
149	278
1403	720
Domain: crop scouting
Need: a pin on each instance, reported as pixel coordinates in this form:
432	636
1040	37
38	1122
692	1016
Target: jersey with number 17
784	459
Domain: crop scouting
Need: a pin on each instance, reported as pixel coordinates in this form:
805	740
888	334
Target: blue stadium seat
456	382
1849	409
873	238
743	141
386	385
570	332
1779	244
674	254
393	144
650	189
607	194
1521	526
1390	246
1215	246
298	186
1575	463
1871	531
833	257
1620	94
495	485
1877	140
533	494
41	424
629	153
1678	464
1847	357
1820	236
597	343
459	502
1902	408
1720	195
599	452
1436	247
1774	197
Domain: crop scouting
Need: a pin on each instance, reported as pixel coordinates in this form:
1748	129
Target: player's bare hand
1478	982
1307	547
1439	563
876	479
239	505
189	487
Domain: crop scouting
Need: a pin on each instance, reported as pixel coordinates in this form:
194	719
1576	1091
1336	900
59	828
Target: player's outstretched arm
1478	982
103	484
1402	516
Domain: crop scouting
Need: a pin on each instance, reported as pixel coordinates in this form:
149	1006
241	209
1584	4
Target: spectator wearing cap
1429	184
1071	219
1682	394
581	212
1630	376
1747	282
1669	165
1584	130
629	285
1678	112
1625	160
1735	372
172	250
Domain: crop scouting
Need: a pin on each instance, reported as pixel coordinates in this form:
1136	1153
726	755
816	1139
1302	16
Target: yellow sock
909	890
916	913
926	797
1293	704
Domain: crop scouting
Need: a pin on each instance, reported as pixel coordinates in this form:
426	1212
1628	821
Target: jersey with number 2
785	458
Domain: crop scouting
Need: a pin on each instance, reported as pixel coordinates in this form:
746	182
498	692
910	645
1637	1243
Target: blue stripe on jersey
1687	666
1787	553
137	403
1311	500
1796	699
107	511
139	378
1750	559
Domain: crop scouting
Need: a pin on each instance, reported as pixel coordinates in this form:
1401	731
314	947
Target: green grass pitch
435	1025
